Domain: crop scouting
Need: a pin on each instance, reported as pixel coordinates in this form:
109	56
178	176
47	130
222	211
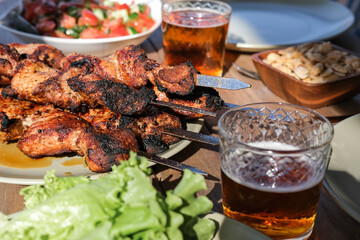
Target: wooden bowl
312	95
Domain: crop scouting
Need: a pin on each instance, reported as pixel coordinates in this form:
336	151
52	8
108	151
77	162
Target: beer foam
237	165
274	146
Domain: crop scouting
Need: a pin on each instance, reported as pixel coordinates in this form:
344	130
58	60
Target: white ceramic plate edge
338	198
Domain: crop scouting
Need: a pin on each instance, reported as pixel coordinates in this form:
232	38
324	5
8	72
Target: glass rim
224	4
259	149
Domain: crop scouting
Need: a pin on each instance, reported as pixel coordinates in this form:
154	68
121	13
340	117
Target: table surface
331	222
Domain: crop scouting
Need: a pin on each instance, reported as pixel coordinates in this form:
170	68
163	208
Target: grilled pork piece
17	115
9	59
59	132
202	97
47	131
47	54
76	90
116	96
148	129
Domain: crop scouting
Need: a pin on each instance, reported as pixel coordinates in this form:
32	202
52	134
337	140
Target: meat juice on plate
279	202
198	36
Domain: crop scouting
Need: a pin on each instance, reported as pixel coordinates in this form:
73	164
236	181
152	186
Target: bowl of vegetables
94	27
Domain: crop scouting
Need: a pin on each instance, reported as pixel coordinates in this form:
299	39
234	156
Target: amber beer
277	214
282	204
198	36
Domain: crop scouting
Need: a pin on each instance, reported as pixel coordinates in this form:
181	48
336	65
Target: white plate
97	47
342	179
229	229
261	24
35	175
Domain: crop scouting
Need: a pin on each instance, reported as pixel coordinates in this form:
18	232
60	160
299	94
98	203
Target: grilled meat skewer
43	130
16	116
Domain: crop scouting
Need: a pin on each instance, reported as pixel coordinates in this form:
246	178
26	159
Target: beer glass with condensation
273	160
196	31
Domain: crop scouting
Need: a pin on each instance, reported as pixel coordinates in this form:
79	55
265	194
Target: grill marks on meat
202	97
132	66
47	54
116	96
43	130
179	79
148	129
75	90
9	59
61	132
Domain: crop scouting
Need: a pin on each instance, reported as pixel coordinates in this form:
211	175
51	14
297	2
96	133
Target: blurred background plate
97	47
262	25
342	179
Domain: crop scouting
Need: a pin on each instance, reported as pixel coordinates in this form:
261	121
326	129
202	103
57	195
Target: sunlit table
331	222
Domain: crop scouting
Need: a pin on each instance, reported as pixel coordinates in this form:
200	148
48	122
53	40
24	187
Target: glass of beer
196	31
273	160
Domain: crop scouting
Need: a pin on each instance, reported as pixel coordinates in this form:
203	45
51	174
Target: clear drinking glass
196	31
273	160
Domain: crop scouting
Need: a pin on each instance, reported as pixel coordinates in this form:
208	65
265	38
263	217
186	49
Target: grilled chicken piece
47	54
148	129
9	59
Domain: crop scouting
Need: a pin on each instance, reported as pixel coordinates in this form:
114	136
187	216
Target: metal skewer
184	108
198	137
171	163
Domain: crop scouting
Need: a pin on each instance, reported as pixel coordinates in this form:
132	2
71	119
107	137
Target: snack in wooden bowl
311	74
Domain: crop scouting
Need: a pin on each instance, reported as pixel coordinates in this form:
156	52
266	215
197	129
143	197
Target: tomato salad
87	18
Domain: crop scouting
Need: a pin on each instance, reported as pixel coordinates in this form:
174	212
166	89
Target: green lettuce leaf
120	205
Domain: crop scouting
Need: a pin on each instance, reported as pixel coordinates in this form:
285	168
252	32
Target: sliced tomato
87	18
148	21
109	24
122	6
138	25
67	21
118	32
93	33
96	6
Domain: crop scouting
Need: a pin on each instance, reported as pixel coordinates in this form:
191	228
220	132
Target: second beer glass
196	31
273	160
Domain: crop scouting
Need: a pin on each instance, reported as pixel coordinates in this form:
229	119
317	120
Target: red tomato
148	22
138	25
96	6
123	6
87	18
67	21
92	33
118	31
109	24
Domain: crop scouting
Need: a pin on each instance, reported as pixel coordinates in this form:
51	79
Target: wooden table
331	222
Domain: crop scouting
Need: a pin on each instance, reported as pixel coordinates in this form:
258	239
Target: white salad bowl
97	47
